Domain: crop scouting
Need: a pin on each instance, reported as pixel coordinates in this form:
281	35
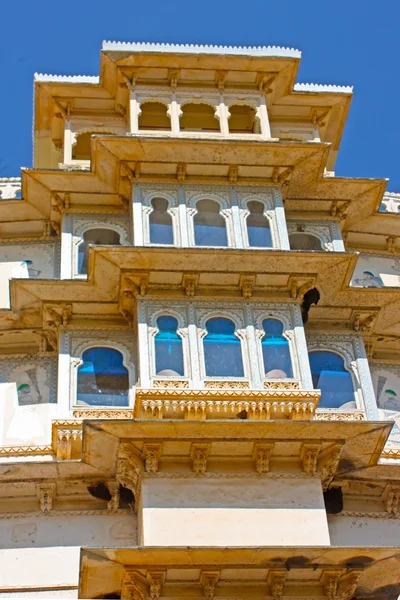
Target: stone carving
261	456
101	413
327	464
209	581
393	501
199	456
246	285
134	586
169	383
66	436
347	585
129	468
276	581
226	385
281	385
330	581
309	458
113	488
151	457
46	494
189	283
156	580
339	416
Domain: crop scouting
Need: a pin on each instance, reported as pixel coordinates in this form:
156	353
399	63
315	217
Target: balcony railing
10	188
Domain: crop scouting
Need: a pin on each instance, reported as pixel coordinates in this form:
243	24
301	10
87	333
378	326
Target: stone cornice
113	46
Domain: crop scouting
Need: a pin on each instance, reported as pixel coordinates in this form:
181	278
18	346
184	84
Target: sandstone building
200	339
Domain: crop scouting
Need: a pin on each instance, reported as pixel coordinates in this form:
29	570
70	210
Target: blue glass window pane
259	236
258	230
160	220
102	378
209	225
330	376
275	349
222	349
168	348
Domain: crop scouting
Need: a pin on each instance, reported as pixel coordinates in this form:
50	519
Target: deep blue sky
352	42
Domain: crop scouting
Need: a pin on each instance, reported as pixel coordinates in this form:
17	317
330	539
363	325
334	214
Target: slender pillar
134	112
66	248
63	380
281	226
137	216
262	113
223	114
68	141
174	111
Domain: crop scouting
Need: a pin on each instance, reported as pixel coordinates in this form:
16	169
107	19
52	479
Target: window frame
225	211
182	332
78	238
268	212
76	361
172	210
288	334
240	332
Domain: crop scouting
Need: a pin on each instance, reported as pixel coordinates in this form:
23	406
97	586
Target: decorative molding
261	456
114	46
46	493
151	457
199	455
63	513
356	415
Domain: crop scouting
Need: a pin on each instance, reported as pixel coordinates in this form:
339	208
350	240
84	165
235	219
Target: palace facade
199	339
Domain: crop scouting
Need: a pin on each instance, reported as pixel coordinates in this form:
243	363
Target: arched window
160	223
209	224
95	237
222	349
102	378
330	376
258	230
198	117
154	116
243	119
275	350
304	241
168	348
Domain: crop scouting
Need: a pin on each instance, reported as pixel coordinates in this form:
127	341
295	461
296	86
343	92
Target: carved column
64	376
182	213
223	115
68	141
367	387
137	216
134	111
144	350
262	113
174	111
235	211
280	219
255	371
66	248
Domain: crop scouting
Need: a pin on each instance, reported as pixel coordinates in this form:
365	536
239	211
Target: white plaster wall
27	400
363	531
12	265
40	554
234	512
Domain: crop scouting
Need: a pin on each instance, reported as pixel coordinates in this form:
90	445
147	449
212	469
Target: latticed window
275	350
168	348
222	349
331	377
102	378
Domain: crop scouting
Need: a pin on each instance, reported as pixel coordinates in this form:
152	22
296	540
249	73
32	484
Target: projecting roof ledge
67	78
200	49
318	87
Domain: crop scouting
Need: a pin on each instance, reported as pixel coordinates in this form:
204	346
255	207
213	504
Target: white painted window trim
183	333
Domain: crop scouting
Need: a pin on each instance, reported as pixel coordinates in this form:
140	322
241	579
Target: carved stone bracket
181	172
299	286
130	173
264	82
189	283
199	455
46	338
339	210
309	458
56	315
363	322
151	457
173	77
46	493
392	500
276	581
246	285
327	464
330	581
134	586
347	585
113	488
129	468
261	456
209	580
233	174
156	580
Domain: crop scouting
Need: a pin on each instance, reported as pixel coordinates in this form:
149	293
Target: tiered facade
200	339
